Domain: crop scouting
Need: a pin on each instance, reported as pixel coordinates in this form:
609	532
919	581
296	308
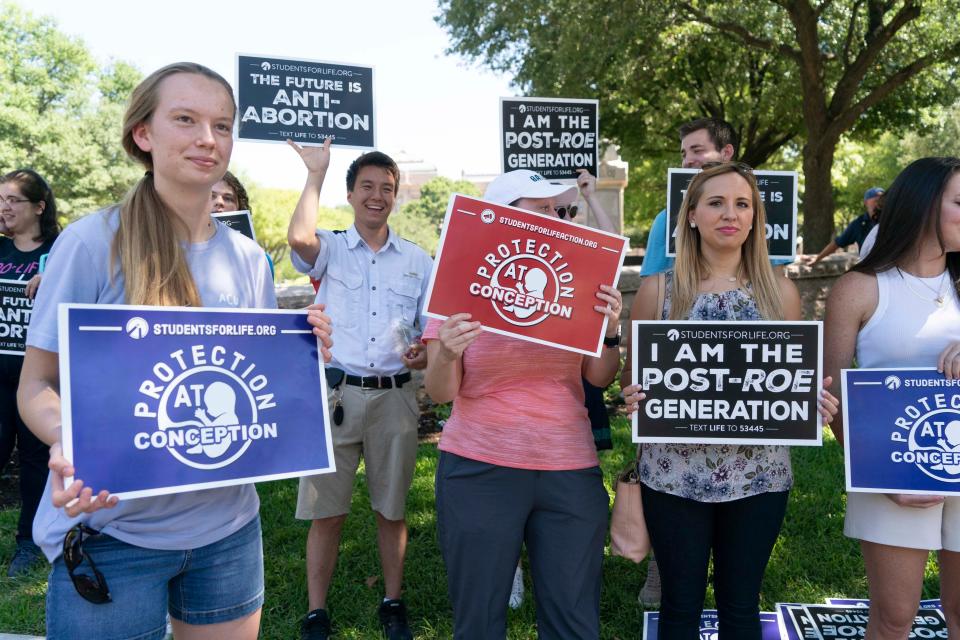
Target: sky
430	106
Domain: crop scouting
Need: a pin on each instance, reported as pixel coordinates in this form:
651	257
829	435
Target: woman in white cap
518	462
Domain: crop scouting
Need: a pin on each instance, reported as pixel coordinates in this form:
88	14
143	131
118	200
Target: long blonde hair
691	267
147	244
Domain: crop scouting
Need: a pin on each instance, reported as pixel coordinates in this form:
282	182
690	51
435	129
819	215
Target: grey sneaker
516	592
650	593
315	626
27	557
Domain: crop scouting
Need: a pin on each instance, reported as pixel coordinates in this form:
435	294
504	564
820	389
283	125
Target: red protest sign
524	274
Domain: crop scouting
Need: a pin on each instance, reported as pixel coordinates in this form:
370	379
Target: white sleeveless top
908	328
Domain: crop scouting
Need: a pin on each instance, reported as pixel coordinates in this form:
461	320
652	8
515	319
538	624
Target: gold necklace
938	292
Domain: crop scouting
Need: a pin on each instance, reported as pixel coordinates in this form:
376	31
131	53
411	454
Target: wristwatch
612	342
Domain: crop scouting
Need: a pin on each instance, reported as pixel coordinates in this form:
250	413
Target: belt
379	382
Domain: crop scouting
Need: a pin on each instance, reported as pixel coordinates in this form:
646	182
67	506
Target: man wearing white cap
518	463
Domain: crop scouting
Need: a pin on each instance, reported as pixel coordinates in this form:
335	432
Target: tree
60	113
784	71
434	195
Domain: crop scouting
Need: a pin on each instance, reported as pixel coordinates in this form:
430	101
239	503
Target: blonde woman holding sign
118	568
900	307
723	499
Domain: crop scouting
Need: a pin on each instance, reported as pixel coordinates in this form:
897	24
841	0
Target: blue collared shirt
369	297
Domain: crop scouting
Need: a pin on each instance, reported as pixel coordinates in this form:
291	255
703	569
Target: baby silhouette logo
526	281
206	406
928	436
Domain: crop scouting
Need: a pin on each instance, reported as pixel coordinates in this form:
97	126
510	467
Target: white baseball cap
522	183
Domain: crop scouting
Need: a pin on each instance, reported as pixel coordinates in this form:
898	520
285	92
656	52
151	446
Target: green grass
812	560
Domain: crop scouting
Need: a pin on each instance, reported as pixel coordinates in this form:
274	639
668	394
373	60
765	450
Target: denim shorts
220	582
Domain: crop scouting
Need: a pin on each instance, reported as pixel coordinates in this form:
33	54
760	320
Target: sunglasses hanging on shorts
563	212
92	589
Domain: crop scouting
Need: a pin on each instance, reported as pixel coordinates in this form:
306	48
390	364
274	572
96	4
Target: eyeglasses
92	589
563	212
11	201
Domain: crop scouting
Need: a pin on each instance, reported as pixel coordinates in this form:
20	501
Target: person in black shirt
28	227
856	231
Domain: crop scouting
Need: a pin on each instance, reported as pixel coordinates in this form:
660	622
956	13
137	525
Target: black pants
34	455
741	534
486	512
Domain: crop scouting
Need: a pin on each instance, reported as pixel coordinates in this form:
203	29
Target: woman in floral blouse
728	499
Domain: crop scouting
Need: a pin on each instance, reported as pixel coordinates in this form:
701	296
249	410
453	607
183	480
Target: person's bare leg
950	590
895	578
247	628
323	546
392	542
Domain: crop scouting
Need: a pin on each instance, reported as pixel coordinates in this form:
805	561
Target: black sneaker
315	626
27	557
393	619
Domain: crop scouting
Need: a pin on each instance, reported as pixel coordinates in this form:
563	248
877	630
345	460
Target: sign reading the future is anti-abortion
728	382
159	400
901	431
523	274
240	221
552	136
778	190
15	311
306	101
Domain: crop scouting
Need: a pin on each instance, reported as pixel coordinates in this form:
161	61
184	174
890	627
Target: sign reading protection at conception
901	431
159	400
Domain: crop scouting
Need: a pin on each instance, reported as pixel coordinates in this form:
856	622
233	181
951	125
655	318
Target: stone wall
814	283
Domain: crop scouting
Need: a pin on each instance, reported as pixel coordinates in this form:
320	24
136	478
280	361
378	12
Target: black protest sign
240	221
778	190
728	382
840	623
552	136
15	311
305	100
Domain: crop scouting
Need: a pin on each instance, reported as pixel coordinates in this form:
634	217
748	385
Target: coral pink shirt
519	405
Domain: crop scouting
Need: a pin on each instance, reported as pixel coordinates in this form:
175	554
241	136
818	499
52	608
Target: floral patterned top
723	472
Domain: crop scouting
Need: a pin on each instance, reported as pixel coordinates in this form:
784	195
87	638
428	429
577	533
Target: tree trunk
818	204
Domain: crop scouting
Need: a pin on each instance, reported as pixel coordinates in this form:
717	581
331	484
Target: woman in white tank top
900	307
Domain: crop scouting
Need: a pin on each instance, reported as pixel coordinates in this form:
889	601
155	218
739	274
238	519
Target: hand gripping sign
159	400
728	382
901	431
522	274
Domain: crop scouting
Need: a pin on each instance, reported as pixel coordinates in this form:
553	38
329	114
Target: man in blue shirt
858	230
373	284
701	141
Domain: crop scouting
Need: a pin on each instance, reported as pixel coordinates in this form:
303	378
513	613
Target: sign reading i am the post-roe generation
15	311
728	382
306	101
523	274
778	191
159	400
901	431
832	622
552	136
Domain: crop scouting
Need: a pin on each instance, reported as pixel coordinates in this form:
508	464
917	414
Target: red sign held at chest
524	274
